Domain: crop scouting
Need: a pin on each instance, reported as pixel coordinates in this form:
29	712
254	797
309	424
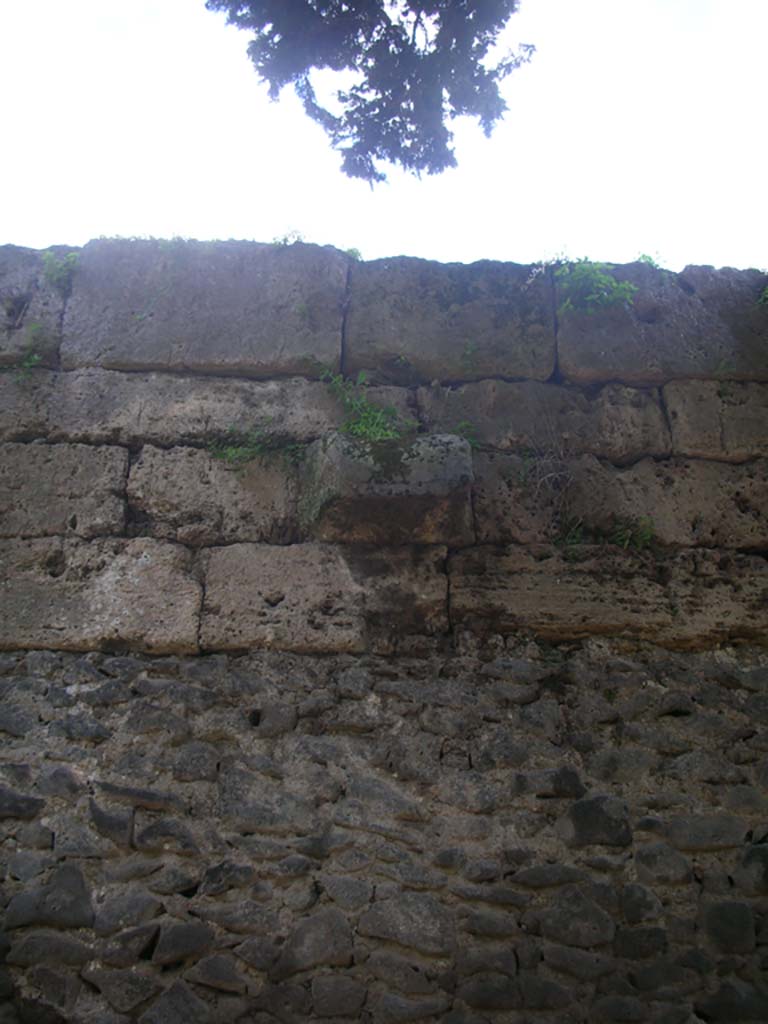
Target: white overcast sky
639	127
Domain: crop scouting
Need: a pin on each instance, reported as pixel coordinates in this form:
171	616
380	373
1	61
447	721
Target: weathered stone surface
71	595
411	919
706	832
209	307
187	495
335	995
177	1005
323	939
129	907
123	989
18	805
752	873
602	820
548	421
218	972
734	1000
312	597
730	925
699	323
61	489
688	503
576	920
48	947
491	991
725	420
30	308
699	599
412	320
63	902
182	941
414	491
658	863
97	406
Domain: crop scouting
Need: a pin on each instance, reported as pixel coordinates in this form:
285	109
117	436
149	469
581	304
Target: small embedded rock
182	941
130	907
597	820
123	989
177	1005
168	836
704	832
490	991
730	926
17	805
323	939
65	902
49	948
659	864
576	920
334	995
218	972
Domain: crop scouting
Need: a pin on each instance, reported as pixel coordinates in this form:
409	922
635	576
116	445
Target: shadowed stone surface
725	420
187	495
79	596
389	492
206	307
699	323
413	321
619	423
61	489
697	599
311	597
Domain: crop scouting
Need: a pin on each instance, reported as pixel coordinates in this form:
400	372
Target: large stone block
187	495
619	423
724	420
106	594
407	491
691	599
700	323
318	598
209	307
412	320
50	489
688	502
106	407
30	309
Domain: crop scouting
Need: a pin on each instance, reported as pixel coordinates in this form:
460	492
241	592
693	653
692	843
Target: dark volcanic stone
639	904
181	941
730	925
491	991
400	972
640	943
219	972
542	994
65	902
16	720
49	948
129	946
115	825
324	938
334	995
659	864
177	1005
349	893
260	952
619	1008
752	874
16	805
393	1009
543	876
576	920
224	876
734	1001
706	832
169	836
123	990
577	962
61	781
273	720
414	920
79	727
196	761
597	820
132	906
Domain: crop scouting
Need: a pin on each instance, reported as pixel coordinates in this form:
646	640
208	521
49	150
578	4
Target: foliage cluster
364	420
59	271
586	286
242	447
412	67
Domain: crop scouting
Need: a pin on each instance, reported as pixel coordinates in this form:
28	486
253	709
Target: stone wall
468	725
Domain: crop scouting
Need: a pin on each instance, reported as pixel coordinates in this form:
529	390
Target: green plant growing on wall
763	300
242	447
587	287
467	430
364	420
59	271
633	533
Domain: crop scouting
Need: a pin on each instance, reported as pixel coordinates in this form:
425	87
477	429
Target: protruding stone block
699	598
61	489
412	320
317	598
700	323
408	491
104	407
208	307
724	420
187	495
619	423
71	595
